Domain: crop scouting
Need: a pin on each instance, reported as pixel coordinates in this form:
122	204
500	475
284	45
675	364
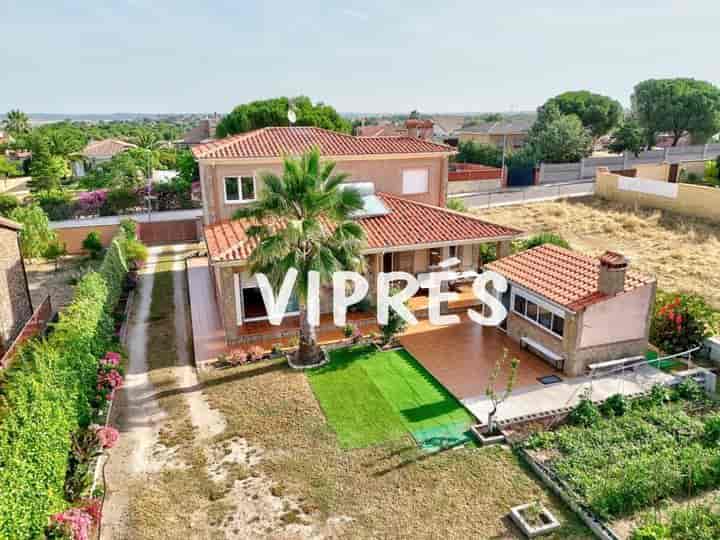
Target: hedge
46	397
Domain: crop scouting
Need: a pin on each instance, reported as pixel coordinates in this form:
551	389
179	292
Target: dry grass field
683	253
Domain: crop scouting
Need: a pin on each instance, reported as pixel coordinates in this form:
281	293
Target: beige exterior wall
73	237
384	171
15	302
652	171
618	319
691	200
514	140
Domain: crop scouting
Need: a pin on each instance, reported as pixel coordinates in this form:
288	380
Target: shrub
585	413
129	228
690	390
681	322
8	203
54	251
89	203
56	203
692	522
348	330
93	244
136	251
36	233
47	396
615	405
712	430
395	324
121	200
456	204
544	238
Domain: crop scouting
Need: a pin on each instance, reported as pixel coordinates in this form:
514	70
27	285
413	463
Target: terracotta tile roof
564	277
274	142
409	223
106	148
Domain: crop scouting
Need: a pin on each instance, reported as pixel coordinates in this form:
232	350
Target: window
435	256
455	251
415	181
538	314
532	311
239	189
545	318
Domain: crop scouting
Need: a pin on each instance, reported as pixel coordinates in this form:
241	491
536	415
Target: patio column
502	249
228	306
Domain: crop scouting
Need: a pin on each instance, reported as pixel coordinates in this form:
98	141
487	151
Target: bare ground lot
683	253
44	279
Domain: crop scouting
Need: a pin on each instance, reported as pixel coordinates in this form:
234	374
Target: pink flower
93	507
111	359
108	436
77	521
110	379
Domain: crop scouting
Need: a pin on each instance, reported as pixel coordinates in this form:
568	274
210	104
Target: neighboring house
403	181
202	133
15	302
415	128
97	152
511	133
445	126
576	310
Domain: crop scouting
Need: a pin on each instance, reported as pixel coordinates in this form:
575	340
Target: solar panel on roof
372	205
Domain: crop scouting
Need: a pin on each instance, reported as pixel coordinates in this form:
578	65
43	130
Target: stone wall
15	303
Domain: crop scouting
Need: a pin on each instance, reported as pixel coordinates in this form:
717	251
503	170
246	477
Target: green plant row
46	397
636	454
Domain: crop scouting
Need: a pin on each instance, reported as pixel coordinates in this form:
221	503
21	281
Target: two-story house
404	183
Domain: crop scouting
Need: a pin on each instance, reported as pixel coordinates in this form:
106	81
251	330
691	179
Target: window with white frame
415	181
239	188
539	314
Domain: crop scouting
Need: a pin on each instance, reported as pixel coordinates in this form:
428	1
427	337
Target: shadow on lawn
429	411
418	457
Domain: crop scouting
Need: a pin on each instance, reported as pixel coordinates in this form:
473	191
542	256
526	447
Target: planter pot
548	524
484	438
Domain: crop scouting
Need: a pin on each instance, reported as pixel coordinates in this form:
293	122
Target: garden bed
635	455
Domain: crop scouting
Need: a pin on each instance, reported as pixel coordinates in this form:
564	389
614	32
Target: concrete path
538	399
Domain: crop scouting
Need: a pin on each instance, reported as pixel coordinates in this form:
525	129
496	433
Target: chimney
613	267
411	124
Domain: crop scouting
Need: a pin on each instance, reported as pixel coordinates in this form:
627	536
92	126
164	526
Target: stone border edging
594	523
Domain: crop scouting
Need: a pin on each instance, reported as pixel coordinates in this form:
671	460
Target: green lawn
370	397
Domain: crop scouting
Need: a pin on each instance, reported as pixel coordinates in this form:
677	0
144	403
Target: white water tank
713	347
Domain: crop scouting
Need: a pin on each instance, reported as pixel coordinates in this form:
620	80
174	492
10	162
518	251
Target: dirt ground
44	280
683	253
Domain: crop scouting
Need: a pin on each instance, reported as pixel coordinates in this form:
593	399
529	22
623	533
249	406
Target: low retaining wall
686	199
474	186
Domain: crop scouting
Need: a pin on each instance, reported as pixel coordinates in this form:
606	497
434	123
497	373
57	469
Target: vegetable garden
629	456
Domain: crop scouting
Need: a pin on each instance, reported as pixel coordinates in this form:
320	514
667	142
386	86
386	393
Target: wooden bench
541	350
612	365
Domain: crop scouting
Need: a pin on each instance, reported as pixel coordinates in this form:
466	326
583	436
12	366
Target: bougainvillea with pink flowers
108	382
111	359
107	436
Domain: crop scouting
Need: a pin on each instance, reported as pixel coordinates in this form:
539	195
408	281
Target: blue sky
178	56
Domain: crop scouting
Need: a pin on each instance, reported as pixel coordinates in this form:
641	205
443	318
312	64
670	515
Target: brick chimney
419	129
613	267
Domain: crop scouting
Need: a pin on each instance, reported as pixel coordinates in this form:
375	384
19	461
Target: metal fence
551	173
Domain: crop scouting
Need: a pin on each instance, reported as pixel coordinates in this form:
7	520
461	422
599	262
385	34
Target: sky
159	56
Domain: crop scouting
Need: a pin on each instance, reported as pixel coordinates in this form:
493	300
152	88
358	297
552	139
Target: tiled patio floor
462	356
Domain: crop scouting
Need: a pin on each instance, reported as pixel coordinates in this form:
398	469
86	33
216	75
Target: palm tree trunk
309	352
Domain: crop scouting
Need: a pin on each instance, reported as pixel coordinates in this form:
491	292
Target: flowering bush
108	382
680	323
111	359
90	202
107	436
75	523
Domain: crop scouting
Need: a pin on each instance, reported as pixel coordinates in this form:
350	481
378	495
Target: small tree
456	204
629	137
129	227
55	251
682	323
395	325
563	140
494	396
36	233
93	244
544	238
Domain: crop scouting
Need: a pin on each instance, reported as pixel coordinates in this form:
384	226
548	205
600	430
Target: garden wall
685	199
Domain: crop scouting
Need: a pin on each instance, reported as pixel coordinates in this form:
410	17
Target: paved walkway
541	398
207	328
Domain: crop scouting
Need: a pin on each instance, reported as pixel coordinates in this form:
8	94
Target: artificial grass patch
370	397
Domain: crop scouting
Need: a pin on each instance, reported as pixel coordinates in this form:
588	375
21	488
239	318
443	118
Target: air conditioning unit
712	346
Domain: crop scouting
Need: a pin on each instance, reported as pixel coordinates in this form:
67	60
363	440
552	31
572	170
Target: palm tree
311	230
16	122
147	139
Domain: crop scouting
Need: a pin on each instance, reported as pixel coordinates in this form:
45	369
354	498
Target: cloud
356	14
